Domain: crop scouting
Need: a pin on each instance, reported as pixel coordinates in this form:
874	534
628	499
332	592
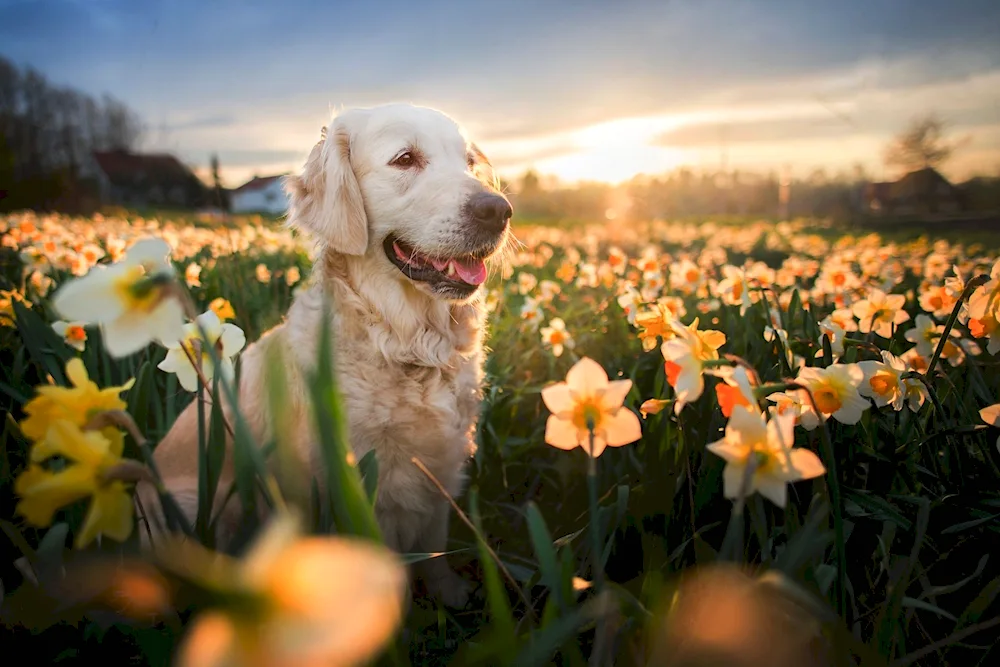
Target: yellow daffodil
768	444
655	323
556	337
73	333
227	339
684	357
7	299
880	312
89	461
835	391
293	600
131	300
587	401
78	404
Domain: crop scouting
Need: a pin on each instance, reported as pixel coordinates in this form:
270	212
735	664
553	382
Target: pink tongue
471	271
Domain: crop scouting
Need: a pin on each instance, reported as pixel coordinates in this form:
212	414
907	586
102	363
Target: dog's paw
450	589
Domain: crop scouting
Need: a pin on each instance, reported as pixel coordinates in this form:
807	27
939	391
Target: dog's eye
405	160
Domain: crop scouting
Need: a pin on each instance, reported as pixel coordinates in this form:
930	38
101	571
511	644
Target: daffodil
988	327
685	356
130	300
733	289
78	404
90	459
293	600
883	381
655	323
588	403
735	390
835	392
7	300
556	337
833	332
767	445
985	300
73	333
227	339
880	312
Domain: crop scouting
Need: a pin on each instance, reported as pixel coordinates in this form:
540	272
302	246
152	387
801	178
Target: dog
405	212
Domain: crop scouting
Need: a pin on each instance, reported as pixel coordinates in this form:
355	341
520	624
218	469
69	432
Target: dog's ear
325	200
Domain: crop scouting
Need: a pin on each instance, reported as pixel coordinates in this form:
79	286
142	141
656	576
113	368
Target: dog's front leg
442	582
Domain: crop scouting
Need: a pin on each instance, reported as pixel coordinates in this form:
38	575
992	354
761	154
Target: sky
581	90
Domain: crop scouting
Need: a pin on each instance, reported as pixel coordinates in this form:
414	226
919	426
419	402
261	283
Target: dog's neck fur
407	325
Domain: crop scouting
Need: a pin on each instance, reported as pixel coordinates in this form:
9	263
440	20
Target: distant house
921	191
260	195
145	180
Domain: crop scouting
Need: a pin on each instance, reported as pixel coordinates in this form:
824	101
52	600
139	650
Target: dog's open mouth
462	273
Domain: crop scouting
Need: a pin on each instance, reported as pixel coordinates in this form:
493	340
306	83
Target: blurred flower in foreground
991	415
769	446
73	333
292	601
131	300
222	309
588	401
93	467
227	339
985	300
556	337
722	617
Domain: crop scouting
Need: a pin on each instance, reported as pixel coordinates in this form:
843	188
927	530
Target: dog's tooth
451	270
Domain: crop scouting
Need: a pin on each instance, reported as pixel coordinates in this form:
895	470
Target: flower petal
621	428
614	395
561	433
586	377
557	398
806	464
110	513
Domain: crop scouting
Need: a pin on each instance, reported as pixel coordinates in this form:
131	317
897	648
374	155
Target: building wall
269	199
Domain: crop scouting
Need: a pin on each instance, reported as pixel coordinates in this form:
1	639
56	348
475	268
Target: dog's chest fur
411	389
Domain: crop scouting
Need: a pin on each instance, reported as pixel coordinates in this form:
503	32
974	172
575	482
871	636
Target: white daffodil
228	339
130	300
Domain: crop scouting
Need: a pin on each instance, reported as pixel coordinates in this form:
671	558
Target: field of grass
674	549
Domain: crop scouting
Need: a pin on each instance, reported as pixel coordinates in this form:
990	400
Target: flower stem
595	536
971	287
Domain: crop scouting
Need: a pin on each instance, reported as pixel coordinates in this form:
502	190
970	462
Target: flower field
756	444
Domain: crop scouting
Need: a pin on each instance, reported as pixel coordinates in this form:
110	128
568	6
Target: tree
216	182
920	145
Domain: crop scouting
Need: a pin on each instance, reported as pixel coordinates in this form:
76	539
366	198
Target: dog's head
403	187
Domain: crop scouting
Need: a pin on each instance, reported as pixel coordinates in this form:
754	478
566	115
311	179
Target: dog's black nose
491	211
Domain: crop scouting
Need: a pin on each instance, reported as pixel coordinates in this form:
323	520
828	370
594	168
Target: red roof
256	183
120	166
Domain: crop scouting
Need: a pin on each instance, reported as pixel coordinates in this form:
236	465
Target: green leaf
496	593
541	540
352	513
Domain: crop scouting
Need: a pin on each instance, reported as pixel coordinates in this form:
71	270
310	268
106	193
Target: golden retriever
405	211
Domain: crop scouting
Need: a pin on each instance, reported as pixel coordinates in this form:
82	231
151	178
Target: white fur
408	360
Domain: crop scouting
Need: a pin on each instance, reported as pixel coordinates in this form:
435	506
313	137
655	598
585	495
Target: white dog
405	213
